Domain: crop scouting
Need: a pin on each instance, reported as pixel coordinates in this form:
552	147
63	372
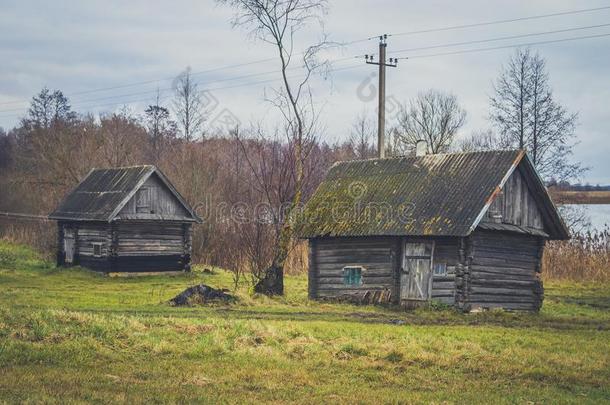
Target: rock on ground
201	294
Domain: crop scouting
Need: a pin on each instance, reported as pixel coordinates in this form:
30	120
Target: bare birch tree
276	22
362	137
188	106
478	141
527	116
433	116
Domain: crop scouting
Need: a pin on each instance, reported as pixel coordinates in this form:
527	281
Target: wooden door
69	240
143	201
416	274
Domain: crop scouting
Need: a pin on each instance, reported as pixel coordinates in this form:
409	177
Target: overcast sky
129	49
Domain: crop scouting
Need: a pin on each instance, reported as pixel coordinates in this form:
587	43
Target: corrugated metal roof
429	195
103	192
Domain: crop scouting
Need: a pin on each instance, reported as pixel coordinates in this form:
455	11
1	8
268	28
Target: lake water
599	214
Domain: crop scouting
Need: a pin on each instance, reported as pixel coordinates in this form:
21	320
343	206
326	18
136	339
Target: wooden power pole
370	59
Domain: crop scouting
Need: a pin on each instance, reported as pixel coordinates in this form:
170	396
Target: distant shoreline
580	197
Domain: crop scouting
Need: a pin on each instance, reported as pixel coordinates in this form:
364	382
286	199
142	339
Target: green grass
75	336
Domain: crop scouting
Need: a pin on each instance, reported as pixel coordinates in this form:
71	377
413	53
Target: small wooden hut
466	229
127	219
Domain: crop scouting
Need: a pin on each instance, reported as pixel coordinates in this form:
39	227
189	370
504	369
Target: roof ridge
428	155
124	167
389	158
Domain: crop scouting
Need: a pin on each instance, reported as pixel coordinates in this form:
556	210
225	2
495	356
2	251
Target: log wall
443	287
488	269
377	255
152	246
501	270
87	234
134	246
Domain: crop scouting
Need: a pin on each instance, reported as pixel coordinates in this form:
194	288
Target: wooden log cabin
127	219
466	229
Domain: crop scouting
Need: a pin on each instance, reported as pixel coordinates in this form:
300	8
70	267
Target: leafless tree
478	141
363	132
188	106
433	116
160	128
121	137
528	117
575	217
276	22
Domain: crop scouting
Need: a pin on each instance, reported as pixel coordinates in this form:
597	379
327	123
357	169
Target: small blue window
352	275
440	269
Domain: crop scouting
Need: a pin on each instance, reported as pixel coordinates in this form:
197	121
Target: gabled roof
104	192
432	195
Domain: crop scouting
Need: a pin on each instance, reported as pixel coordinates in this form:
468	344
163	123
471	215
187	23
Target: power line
340	69
23	216
150	81
486	23
336	45
111	97
501	38
197	73
455	27
80	102
86	101
504	46
206	89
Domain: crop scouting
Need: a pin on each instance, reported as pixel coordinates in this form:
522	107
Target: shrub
585	257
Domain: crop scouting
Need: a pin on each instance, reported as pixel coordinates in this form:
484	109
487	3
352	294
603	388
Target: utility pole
370	59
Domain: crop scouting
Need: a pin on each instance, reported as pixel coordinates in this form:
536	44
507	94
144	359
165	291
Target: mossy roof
432	195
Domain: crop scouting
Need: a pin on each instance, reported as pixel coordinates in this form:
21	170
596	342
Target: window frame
97	245
352	280
444	267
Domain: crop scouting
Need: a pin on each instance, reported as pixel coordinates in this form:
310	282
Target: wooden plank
361	259
445	300
509	306
443	285
513	292
387	281
492	298
367	242
369	267
504	262
501	269
351	251
443	293
440	279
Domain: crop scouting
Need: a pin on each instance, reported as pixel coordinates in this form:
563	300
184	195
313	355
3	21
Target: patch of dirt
201	294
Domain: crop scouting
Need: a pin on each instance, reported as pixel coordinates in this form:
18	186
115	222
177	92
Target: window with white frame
97	249
440	269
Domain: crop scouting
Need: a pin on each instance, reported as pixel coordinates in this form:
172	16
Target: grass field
580	197
75	336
